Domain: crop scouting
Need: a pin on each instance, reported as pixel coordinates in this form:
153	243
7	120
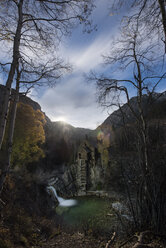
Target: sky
73	99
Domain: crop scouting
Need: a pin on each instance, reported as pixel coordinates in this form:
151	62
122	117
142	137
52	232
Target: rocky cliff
24	99
124	115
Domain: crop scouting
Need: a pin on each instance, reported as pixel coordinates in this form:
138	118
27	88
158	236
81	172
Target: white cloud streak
73	102
91	57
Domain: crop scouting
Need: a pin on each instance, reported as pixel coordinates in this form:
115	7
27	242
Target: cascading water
62	202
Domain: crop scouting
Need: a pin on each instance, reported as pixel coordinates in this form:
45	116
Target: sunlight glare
61	118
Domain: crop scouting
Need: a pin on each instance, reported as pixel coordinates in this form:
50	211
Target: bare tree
34	28
136	55
150	12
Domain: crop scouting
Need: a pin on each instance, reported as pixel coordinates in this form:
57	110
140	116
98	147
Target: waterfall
62	202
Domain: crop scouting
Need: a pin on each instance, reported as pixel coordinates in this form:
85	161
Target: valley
95	170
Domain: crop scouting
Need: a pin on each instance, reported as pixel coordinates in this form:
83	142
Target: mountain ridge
115	119
125	113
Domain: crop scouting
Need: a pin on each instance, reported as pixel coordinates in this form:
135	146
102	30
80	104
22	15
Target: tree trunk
162	4
6	166
13	66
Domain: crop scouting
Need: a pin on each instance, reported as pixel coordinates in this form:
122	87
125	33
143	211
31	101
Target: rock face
63	181
24	99
119	117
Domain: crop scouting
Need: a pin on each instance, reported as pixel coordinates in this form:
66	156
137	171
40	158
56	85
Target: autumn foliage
29	135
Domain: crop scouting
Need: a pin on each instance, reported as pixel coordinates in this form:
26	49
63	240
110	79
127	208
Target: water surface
90	213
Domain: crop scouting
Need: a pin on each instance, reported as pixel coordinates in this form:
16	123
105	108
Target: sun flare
61	118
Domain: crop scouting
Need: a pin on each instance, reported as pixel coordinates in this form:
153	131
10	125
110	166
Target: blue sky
73	100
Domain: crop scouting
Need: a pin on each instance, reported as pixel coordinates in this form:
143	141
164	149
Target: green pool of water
90	214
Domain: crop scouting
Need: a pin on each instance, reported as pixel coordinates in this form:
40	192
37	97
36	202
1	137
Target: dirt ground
78	240
65	240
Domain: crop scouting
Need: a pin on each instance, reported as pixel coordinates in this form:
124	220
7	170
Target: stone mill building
89	169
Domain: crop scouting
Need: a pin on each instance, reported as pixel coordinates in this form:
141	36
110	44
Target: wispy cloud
90	57
74	102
